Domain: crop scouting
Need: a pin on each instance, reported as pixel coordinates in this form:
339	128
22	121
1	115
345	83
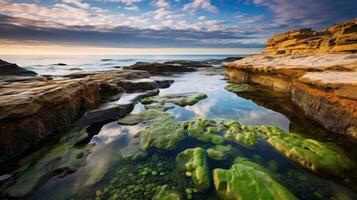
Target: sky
158	26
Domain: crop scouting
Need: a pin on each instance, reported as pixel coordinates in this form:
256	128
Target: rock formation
301	63
32	107
338	38
12	69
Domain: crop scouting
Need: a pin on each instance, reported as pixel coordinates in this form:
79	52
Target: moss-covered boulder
194	163
248	135
312	154
238	87
248	180
145	115
164	193
163	133
220	152
206	130
182	99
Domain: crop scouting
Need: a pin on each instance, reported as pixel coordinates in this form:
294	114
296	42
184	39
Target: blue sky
163	23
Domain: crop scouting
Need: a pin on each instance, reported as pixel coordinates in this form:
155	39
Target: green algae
312	154
61	159
184	99
194	161
220	152
146	115
141	180
205	130
248	180
248	135
238	87
163	133
132	152
164	193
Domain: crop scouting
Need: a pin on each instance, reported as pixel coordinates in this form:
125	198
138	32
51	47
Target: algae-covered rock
163	133
132	152
220	152
183	99
205	130
314	155
164	193
248	180
194	162
249	135
145	115
238	87
61	159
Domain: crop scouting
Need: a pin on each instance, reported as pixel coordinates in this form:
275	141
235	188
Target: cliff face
338	38
317	69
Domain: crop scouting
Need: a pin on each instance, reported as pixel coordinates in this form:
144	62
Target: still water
104	175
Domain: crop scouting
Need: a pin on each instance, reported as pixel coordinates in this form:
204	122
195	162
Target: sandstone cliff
317	69
338	38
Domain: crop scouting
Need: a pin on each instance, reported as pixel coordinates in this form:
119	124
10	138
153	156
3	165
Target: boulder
182	99
162	133
238	87
193	163
248	180
314	155
205	131
220	152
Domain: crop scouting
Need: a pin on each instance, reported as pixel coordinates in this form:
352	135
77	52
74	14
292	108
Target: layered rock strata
323	85
34	107
338	38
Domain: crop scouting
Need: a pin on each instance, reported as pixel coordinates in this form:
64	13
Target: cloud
127	2
77	3
251	19
17	29
133	8
200	4
162	4
316	13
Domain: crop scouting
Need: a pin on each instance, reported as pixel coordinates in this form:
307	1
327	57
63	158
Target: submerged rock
164	193
163	133
145	115
132	152
183	99
205	131
248	180
59	160
248	135
220	152
312	154
238	87
194	163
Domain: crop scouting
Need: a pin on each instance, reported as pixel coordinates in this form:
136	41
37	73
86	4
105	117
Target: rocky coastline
317	69
33	107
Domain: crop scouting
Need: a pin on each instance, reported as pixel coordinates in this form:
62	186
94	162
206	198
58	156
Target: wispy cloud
201	4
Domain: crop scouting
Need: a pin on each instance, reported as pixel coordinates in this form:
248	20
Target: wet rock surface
248	180
32	107
305	64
